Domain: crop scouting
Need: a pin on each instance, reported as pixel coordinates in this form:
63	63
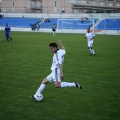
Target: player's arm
92	38
60	42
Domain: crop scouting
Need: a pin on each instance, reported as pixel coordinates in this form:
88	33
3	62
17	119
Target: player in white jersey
90	36
57	70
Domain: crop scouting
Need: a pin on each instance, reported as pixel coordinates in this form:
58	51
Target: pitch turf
26	60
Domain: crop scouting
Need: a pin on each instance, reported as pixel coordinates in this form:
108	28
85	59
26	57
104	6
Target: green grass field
26	60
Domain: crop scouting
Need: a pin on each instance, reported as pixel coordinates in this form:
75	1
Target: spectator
1	16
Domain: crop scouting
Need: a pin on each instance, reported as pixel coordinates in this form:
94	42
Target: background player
54	29
90	36
7	33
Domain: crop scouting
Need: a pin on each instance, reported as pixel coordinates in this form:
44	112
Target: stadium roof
91	7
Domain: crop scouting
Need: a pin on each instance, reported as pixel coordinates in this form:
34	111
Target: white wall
89	15
106	32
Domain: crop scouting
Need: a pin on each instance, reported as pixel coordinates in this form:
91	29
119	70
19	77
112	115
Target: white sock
93	52
90	50
40	89
67	84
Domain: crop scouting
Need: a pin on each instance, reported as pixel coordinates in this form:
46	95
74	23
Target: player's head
53	47
88	30
6	24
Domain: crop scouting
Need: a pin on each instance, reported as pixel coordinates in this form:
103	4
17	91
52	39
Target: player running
90	36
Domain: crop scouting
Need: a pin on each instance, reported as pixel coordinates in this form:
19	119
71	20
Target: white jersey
89	36
58	58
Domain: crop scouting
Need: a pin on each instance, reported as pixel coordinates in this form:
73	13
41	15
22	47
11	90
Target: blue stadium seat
106	24
18	21
109	24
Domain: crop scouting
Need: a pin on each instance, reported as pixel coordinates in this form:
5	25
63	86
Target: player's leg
64	84
92	50
89	47
59	84
67	84
41	88
10	38
53	32
43	85
7	37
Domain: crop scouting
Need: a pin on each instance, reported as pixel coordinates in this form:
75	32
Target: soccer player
54	29
57	70
90	36
7	33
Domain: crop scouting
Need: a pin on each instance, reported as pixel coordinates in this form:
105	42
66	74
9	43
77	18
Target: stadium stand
18	21
109	24
22	22
29	22
48	24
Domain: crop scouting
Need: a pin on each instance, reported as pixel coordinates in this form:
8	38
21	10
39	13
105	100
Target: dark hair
53	45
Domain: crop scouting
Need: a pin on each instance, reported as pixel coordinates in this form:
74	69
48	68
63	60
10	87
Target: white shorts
54	76
90	43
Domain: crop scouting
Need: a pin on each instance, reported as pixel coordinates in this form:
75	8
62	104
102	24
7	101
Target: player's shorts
54	76
54	29
90	43
7	34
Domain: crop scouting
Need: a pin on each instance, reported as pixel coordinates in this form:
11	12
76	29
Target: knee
45	81
57	85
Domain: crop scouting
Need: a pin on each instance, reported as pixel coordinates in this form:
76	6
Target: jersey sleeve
63	52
